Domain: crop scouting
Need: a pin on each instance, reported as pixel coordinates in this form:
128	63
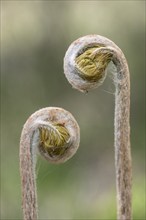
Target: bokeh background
34	38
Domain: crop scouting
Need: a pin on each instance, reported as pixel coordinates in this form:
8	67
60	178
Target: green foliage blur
34	38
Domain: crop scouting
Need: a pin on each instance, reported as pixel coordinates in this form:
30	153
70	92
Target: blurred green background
34	38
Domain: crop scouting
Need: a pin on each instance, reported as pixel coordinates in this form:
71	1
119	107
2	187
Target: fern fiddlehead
55	134
85	65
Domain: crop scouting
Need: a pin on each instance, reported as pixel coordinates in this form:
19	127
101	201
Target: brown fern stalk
85	66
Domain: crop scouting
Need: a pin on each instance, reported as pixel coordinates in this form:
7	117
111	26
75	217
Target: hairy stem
122	141
27	170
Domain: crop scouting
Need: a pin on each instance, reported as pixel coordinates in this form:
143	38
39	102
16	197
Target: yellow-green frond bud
91	64
54	139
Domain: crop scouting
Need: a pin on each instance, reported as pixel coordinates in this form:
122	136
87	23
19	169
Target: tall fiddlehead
85	64
55	134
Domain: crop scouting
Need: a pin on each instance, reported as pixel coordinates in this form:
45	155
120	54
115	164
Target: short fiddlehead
85	65
55	134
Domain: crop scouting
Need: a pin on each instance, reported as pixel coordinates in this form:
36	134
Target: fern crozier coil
86	61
